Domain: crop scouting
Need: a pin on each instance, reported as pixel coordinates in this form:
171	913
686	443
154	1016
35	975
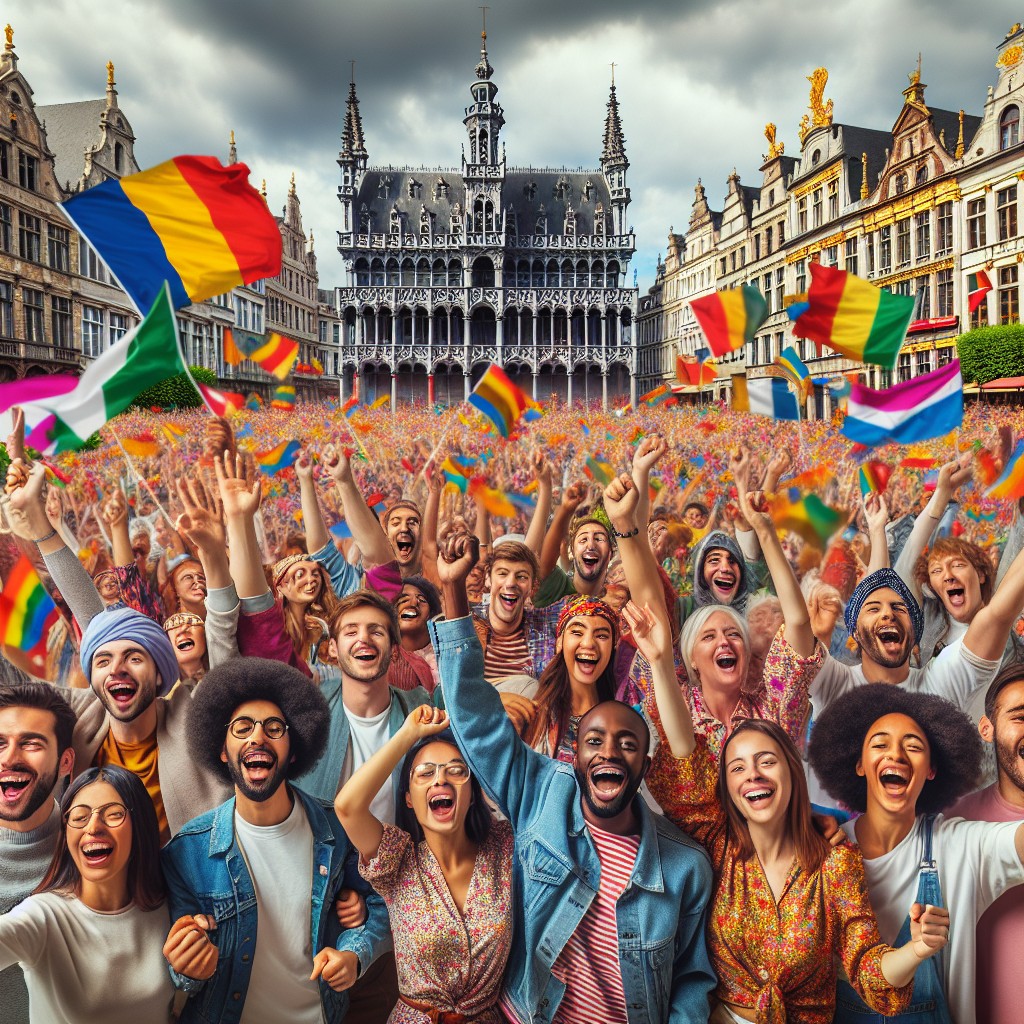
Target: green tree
176	392
988	353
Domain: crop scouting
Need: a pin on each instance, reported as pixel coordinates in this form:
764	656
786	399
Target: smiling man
36	725
253	883
610	914
402	523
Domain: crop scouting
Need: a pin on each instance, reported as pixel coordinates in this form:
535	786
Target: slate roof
71	128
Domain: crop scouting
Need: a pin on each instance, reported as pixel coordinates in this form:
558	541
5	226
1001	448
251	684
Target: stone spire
292	210
232	151
111	91
352	142
614	151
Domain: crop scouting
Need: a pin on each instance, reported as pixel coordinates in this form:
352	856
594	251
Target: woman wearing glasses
89	939
444	871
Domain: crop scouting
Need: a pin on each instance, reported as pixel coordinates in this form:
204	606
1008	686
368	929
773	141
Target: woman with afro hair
900	759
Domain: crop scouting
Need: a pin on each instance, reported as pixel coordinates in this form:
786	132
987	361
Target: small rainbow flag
807	516
1011	482
498	399
853	317
27	612
350	407
497	502
454	475
254	401
730	318
281	457
284	397
874	477
380	402
599	471
277	355
656	395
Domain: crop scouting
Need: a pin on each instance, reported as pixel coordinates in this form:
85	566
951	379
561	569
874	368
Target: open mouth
409	614
894	779
96	854
509	601
404	543
587	663
723	582
590	559
442	805
185	643
726	661
890	636
258	764
607	781
367	655
956	596
13	785
122	692
759	795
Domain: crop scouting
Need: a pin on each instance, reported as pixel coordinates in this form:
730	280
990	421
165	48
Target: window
92	331
922	175
89	263
833	200
767	344
815	158
767	291
1009	127
923	298
771	197
923	235
768	242
780	287
6	309
885	249
29	237
924	362
816	208
850	255
782	232
871	252
118	327
1006	212
28	171
57	247
945	355
903	368
60	321
944	293
1009	295
901	184
976	223
757	247
903	242
831	255
801	276
34	325
944	229
6	231
5	160
801	215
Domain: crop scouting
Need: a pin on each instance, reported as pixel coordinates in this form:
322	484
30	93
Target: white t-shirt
366	737
977	861
83	966
280	860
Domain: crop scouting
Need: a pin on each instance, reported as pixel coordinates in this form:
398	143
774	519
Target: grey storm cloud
696	81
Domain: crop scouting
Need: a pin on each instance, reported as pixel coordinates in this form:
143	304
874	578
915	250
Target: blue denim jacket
660	916
207	874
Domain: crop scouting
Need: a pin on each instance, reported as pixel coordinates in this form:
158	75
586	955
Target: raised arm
648	452
794	607
542	472
312	515
362	521
876	512
990	628
429	526
239	488
202	524
352	804
115	515
572	498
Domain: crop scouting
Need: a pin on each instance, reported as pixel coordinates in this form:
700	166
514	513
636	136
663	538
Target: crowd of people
438	726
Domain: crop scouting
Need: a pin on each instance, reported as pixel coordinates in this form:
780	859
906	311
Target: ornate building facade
916	209
451	269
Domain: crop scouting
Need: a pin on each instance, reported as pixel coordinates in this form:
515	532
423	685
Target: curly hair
240	680
975	556
837	741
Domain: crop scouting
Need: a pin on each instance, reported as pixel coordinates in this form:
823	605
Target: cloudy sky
697	81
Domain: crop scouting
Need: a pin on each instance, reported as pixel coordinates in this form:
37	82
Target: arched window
815	157
1009	127
118	158
901	184
922	175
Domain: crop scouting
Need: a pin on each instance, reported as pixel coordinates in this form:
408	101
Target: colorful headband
583	606
282	566
182	619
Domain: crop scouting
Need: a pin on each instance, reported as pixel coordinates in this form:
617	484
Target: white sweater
86	967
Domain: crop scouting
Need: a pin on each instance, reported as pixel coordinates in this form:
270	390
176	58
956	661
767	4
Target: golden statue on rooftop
774	148
821	112
110	72
9	35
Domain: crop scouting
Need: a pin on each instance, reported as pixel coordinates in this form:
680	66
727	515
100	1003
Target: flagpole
138	476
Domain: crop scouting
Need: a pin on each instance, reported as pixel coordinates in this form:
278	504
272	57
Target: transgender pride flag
927	406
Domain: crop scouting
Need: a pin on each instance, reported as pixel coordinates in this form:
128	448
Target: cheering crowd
375	738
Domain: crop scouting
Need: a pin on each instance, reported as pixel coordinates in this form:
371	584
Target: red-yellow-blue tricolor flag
192	222
280	457
277	355
730	318
498	399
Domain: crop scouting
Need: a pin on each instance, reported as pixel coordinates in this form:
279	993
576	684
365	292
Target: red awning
1004	384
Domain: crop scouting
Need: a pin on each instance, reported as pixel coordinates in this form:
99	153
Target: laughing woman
90	938
444	871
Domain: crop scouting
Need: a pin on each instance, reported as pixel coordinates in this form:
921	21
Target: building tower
352	158
614	163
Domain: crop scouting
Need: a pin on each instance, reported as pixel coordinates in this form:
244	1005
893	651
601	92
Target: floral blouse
450	961
777	958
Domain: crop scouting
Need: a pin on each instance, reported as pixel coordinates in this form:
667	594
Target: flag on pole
191	222
978	286
146	355
233	355
276	355
498	399
730	318
280	457
767	397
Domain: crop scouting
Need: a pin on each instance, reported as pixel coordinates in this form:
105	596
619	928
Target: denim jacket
207	874
661	915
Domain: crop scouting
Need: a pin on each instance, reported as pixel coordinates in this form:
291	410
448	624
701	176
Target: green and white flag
145	356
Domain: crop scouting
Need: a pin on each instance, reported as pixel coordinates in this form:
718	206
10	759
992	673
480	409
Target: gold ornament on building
9	35
774	148
1014	29
864	191
1010	57
231	141
821	112
959	151
291	187
110	72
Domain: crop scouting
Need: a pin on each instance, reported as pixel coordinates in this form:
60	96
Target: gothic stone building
450	270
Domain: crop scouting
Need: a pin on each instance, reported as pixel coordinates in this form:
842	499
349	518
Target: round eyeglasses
111	815
242	727
455	772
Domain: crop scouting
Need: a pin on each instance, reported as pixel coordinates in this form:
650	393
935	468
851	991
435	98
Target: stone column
604	388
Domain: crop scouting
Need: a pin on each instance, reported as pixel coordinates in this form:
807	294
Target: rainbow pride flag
350	407
284	397
277	355
497	399
192	222
730	318
853	316
502	504
27	612
1011	482
807	516
254	401
874	477
599	471
278	458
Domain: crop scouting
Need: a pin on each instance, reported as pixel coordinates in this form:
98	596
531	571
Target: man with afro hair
266	864
901	758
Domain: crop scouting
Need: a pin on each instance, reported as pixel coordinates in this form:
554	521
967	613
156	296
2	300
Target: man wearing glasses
253	883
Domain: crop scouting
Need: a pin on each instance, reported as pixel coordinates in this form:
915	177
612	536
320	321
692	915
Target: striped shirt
507	656
589	964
